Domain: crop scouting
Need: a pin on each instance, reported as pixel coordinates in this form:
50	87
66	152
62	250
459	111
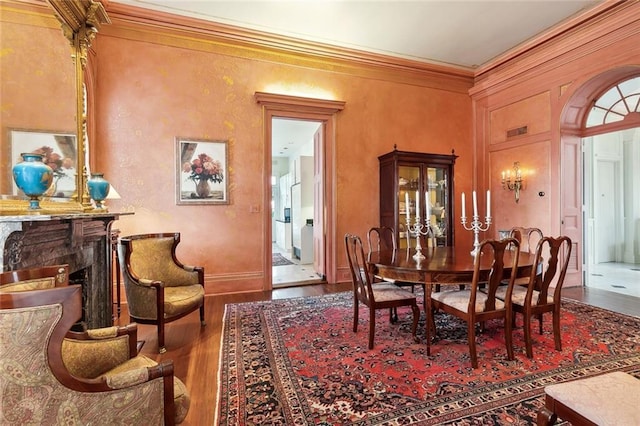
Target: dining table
441	266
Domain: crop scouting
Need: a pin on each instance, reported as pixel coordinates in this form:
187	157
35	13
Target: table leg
429	321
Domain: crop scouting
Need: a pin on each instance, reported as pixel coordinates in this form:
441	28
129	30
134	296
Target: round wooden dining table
440	266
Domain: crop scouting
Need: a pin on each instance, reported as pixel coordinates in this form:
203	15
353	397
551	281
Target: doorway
600	175
611	232
324	179
293	197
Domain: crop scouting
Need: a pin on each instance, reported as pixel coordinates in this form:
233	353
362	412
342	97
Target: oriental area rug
298	362
279	260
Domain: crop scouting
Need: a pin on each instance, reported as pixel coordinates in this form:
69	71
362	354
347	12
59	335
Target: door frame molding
310	109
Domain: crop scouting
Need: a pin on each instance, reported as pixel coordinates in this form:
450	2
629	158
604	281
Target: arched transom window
616	103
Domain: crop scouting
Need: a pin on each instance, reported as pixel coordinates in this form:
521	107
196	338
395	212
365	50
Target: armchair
34	278
159	288
46	379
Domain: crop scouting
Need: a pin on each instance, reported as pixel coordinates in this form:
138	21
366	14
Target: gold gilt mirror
52	119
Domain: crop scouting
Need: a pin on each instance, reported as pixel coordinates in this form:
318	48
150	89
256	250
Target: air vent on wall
517	132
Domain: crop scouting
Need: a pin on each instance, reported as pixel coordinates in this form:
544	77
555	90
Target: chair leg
471	336
202	321
372	326
556	328
355	315
416	317
393	315
527	333
161	347
508	335
540	322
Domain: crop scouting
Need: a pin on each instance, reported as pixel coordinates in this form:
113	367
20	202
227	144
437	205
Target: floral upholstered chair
34	278
50	376
159	288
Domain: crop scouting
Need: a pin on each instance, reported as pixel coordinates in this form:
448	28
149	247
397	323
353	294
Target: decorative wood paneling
533	112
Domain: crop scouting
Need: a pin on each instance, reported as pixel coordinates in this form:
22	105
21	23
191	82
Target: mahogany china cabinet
414	184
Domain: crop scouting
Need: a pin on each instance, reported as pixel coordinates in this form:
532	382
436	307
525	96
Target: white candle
426	198
464	215
417	206
488	203
406	204
475	204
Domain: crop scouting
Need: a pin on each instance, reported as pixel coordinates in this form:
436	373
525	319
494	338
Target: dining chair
527	237
384	238
538	297
475	306
379	296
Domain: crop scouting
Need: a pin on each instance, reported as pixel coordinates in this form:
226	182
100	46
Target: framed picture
60	152
202	172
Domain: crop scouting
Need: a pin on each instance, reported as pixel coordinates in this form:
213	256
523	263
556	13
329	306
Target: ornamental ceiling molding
590	32
157	27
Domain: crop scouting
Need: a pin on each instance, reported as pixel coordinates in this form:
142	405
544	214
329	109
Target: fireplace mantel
81	240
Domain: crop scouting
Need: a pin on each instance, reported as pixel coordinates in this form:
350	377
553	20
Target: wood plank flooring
195	350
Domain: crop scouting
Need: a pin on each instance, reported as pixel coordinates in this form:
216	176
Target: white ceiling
462	34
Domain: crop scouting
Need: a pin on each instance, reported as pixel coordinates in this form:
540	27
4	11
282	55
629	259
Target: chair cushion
90	358
28	285
178	300
181	397
609	399
519	294
385	292
459	300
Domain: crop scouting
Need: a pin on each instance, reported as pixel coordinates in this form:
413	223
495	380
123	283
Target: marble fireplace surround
81	240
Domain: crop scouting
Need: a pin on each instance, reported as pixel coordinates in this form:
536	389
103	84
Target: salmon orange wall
534	91
150	91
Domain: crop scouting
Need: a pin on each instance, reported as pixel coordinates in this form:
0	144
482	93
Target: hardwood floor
195	350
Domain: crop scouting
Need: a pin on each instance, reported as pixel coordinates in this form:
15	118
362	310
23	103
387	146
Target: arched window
616	103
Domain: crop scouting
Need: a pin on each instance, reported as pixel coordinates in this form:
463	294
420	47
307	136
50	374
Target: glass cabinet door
409	188
437	182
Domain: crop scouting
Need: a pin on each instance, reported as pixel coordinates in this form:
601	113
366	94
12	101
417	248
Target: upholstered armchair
34	278
159	288
51	376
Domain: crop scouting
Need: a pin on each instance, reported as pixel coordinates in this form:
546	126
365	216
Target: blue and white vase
98	189
33	177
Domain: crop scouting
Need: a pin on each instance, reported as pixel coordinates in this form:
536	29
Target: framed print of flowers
59	151
202	172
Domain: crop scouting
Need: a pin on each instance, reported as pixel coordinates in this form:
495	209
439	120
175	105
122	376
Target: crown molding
135	23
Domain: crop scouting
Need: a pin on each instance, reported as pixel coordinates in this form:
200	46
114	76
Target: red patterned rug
298	362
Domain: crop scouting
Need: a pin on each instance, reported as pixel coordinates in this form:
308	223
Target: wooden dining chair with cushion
375	296
384	238
527	237
58	377
159	288
538	297
37	278
475	306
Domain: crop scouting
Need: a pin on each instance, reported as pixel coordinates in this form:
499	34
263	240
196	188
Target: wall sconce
516	184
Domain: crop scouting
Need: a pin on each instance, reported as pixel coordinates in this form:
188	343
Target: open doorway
293	146
612	228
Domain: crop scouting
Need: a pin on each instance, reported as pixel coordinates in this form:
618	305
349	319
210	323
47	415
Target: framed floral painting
59	151
202	171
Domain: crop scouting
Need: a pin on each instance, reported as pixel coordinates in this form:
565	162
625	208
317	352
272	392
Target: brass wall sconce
516	184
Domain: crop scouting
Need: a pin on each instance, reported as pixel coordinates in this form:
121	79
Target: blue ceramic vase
98	189
33	177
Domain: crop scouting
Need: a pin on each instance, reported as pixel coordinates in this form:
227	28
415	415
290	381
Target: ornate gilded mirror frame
80	21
